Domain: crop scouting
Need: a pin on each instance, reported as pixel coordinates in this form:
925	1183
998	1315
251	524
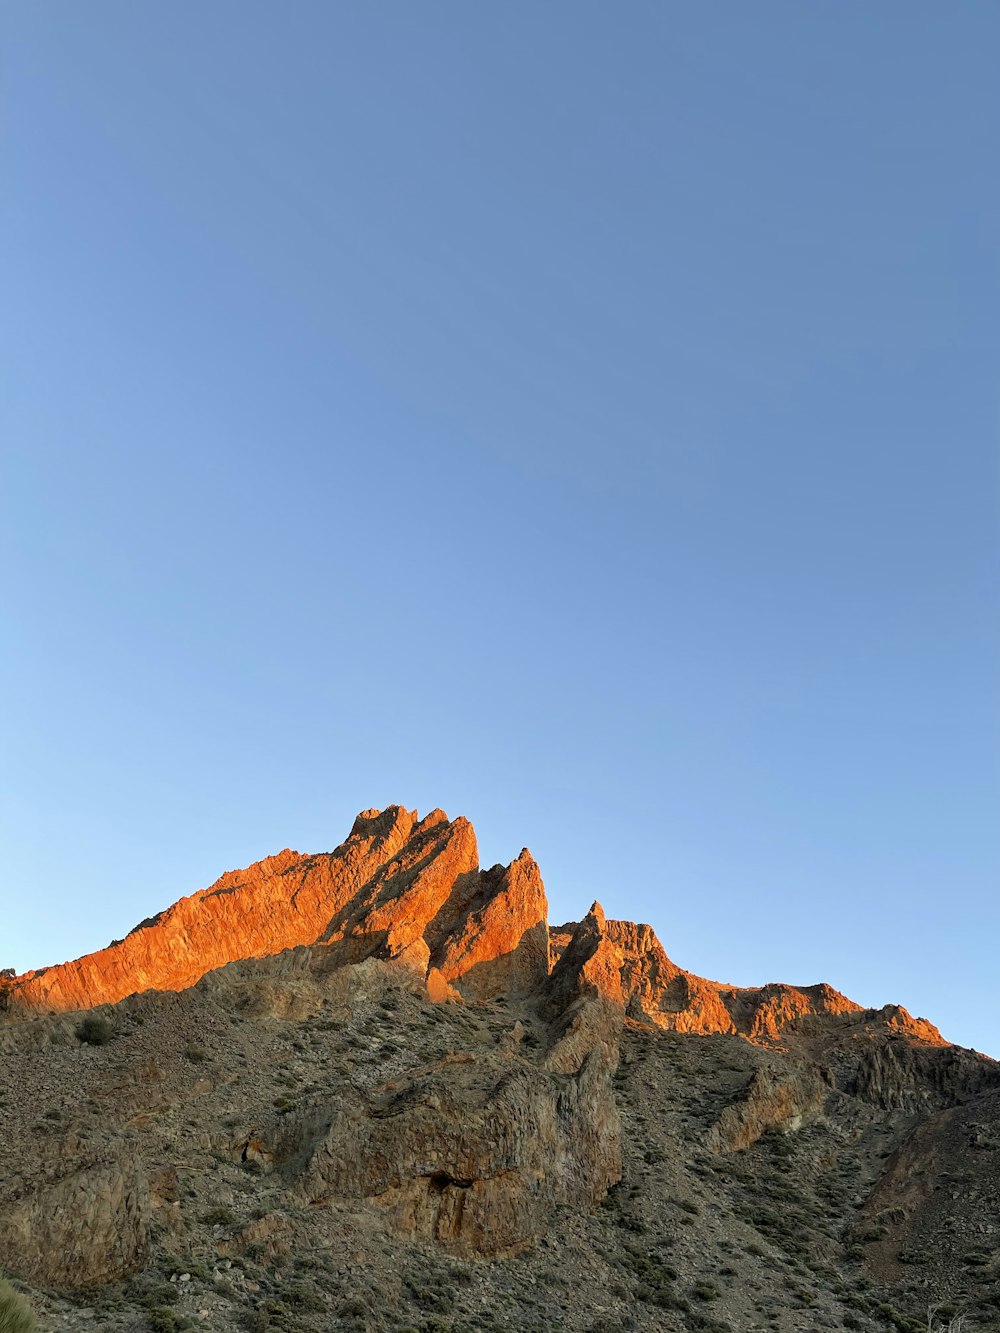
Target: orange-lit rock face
411	889
626	963
398	887
497	940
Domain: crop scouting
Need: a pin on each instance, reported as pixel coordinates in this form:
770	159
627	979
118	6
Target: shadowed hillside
372	1089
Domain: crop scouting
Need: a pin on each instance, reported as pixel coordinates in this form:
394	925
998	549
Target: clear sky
583	417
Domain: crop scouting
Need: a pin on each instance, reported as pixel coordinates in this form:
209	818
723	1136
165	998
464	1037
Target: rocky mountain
374	1089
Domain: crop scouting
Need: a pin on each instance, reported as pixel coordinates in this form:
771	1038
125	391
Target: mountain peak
387	1045
410	888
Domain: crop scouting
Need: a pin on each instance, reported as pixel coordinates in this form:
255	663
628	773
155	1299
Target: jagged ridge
401	887
392	1045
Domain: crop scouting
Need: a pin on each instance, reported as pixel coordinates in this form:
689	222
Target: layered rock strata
471	1149
90	1226
398	887
471	1152
402	887
627	962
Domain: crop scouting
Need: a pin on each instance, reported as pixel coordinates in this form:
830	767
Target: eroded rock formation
398	887
627	962
378	948
471	1152
88	1227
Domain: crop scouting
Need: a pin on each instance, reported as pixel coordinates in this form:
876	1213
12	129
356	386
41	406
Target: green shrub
94	1030
15	1312
705	1291
303	1296
353	1305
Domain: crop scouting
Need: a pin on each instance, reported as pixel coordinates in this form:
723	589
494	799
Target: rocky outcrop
410	889
495	939
90	1227
472	1152
398	887
773	1102
583	998
904	1072
382	1051
627	963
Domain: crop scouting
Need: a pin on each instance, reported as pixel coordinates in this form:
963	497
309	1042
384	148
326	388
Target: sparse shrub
705	1291
153	1293
871	1234
707	1323
175	1266
220	1216
15	1312
436	1295
353	1305
954	1325
303	1296
94	1030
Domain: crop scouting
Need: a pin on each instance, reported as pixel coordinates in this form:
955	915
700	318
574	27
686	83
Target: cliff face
383	1053
406	888
398	887
627	962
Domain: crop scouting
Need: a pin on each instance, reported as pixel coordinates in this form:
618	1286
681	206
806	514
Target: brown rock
90	1227
282	901
411	889
626	963
387	1039
497	941
471	1152
773	1101
398	888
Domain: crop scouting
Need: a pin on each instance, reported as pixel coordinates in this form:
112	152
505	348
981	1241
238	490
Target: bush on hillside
15	1312
94	1030
954	1325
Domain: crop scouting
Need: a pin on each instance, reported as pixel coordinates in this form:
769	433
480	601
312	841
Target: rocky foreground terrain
373	1089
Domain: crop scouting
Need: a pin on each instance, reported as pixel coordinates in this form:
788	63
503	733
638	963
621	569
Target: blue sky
580	417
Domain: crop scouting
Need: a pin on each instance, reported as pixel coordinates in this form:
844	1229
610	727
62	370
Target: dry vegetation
777	1236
